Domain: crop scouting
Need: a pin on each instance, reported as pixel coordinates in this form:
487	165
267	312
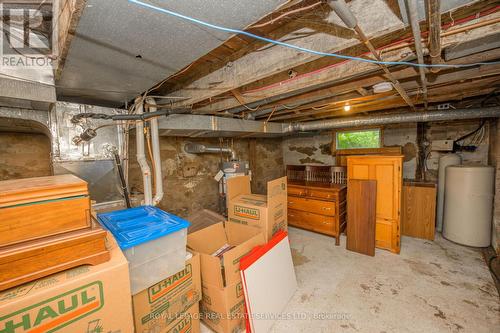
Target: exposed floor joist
325	77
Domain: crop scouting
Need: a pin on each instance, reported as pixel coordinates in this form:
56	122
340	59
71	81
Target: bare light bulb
347	108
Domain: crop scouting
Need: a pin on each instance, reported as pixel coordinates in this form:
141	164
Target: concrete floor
430	287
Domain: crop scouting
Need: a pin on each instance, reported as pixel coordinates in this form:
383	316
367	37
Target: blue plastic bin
153	241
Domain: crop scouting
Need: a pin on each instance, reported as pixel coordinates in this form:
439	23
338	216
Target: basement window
359	139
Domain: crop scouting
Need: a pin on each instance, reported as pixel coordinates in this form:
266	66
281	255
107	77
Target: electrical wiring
299	48
391	46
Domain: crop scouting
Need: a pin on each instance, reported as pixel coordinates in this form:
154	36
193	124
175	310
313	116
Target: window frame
379	129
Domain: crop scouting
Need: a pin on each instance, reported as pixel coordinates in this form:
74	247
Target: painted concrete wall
24	155
301	150
453	131
406	137
494	158
188	179
308	149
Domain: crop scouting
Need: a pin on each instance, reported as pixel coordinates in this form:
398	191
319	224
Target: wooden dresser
318	207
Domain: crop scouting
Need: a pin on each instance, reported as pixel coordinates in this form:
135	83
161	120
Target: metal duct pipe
415	27
198	148
408	117
141	157
155	140
341	9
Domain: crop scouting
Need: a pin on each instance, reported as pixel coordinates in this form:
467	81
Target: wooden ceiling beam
236	47
325	96
333	74
439	94
259	65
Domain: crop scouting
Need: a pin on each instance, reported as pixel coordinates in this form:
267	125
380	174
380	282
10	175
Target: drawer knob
326	208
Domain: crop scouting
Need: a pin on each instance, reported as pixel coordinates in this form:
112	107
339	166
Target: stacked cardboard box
88	299
266	212
222	305
171	303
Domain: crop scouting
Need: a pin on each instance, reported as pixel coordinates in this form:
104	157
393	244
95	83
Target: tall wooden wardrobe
388	172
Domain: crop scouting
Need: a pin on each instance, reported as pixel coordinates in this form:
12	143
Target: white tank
444	161
468	208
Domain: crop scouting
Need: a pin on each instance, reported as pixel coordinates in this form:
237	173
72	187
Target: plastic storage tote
153	241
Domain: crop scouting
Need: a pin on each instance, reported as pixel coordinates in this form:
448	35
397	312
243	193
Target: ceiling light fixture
347	108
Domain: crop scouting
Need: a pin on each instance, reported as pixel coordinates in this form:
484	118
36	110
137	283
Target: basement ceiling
121	49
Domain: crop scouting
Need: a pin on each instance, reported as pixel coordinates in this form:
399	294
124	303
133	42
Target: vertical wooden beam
421	132
434	22
252	158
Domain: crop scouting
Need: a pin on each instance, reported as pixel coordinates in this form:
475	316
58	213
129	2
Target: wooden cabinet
317	207
387	171
418	216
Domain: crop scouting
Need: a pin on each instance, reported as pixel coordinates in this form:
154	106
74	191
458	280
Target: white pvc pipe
141	157
155	138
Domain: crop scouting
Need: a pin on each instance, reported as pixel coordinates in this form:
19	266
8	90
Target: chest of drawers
317	207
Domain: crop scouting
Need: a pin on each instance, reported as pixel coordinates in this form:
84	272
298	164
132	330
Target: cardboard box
267	212
222	304
223	309
87	299
158	306
185	322
224	271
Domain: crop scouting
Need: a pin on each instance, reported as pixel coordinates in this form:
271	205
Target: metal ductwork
345	14
155	142
399	118
141	156
198	148
212	126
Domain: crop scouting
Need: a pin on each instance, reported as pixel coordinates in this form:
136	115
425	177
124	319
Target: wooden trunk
317	207
31	260
418	216
361	216
33	208
387	171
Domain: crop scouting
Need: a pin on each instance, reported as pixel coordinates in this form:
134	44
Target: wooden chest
388	172
33	208
317	207
31	260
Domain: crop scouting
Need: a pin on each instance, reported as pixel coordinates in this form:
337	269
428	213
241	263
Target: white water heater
444	161
468	207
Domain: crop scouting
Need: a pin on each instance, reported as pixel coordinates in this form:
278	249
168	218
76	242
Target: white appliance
444	161
468	208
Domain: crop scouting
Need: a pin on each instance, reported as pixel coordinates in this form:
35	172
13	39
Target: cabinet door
386	170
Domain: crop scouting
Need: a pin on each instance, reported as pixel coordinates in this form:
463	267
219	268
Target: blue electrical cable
298	48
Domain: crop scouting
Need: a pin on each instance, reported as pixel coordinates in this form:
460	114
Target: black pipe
122	179
145	116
